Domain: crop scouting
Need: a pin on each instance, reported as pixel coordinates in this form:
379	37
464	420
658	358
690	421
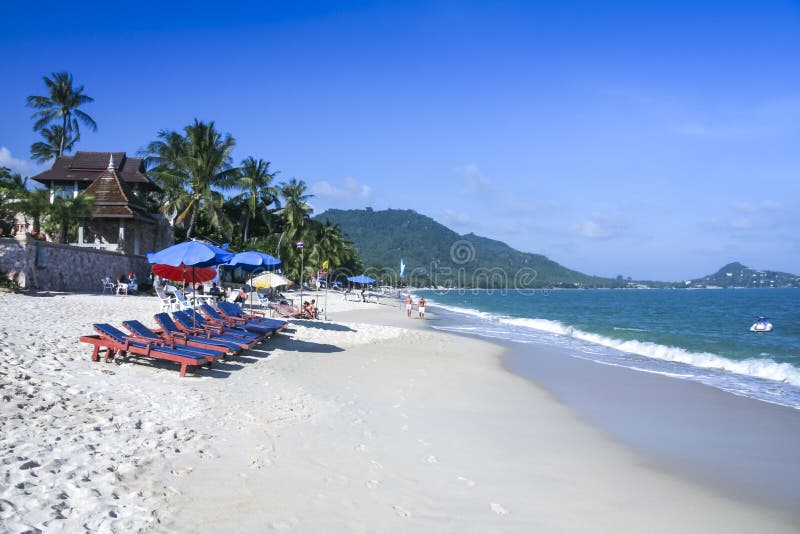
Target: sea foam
760	368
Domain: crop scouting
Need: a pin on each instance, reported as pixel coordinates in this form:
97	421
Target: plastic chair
107	284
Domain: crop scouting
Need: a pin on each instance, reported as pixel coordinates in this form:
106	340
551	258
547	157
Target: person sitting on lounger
241	297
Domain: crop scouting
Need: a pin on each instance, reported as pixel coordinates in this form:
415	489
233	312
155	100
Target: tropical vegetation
205	195
436	255
59	217
58	116
201	190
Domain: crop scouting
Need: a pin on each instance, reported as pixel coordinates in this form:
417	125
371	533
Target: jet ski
761	325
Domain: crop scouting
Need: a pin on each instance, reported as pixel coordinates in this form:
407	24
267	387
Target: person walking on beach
421	306
409	306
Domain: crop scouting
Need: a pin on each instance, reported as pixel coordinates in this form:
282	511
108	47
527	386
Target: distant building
71	175
120	221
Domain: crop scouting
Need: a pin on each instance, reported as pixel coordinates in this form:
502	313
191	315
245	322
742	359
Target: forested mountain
435	254
737	275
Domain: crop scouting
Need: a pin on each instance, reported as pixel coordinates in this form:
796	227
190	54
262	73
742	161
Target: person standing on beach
409	306
421	305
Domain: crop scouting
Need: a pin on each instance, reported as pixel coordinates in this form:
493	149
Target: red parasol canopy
185	273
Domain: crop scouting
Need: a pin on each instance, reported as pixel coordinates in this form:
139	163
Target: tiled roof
113	198
86	166
96	160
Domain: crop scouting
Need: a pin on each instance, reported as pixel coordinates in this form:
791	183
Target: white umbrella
268	280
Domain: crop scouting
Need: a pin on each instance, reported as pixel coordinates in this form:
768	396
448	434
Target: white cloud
764	205
475	183
770	205
599	227
742	207
742	223
451	217
17	165
351	190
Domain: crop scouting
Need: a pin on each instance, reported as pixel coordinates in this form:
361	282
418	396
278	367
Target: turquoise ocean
700	334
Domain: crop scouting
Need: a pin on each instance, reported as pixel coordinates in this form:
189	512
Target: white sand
356	426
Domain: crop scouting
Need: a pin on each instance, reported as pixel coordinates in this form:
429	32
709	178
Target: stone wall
54	267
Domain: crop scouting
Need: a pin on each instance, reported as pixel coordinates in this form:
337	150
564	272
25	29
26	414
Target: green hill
434	254
737	275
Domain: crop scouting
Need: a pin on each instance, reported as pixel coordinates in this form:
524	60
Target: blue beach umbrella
361	279
253	260
190	254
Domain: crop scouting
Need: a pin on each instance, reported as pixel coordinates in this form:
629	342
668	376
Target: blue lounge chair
236	322
188	321
233	311
199	335
136	328
116	341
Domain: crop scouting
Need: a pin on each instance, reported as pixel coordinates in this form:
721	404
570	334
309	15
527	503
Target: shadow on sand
320	325
219	369
296	345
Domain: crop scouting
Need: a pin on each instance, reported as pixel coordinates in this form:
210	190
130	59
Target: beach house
120	221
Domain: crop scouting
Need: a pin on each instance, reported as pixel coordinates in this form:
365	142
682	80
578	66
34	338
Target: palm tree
62	105
295	211
329	244
192	165
12	189
36	204
48	149
255	180
66	211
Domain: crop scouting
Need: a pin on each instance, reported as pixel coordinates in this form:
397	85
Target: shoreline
369	422
740	446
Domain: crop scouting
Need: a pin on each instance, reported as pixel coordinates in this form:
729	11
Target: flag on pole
299	244
402	267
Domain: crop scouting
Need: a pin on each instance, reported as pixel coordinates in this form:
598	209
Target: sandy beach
367	422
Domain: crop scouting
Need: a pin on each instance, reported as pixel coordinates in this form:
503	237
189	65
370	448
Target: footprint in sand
404	428
180	472
468	482
372	484
431	460
498	508
361	447
402	512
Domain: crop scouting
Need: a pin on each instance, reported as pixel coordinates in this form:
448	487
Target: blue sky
658	140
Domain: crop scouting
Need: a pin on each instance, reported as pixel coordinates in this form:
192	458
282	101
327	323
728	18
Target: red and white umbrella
185	273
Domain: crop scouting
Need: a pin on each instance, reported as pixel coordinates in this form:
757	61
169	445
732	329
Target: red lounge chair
187	321
233	311
181	340
114	341
237	322
199	335
282	310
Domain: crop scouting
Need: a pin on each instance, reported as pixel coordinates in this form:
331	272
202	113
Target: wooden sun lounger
186	322
180	340
233	311
240	322
287	311
200	335
115	341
